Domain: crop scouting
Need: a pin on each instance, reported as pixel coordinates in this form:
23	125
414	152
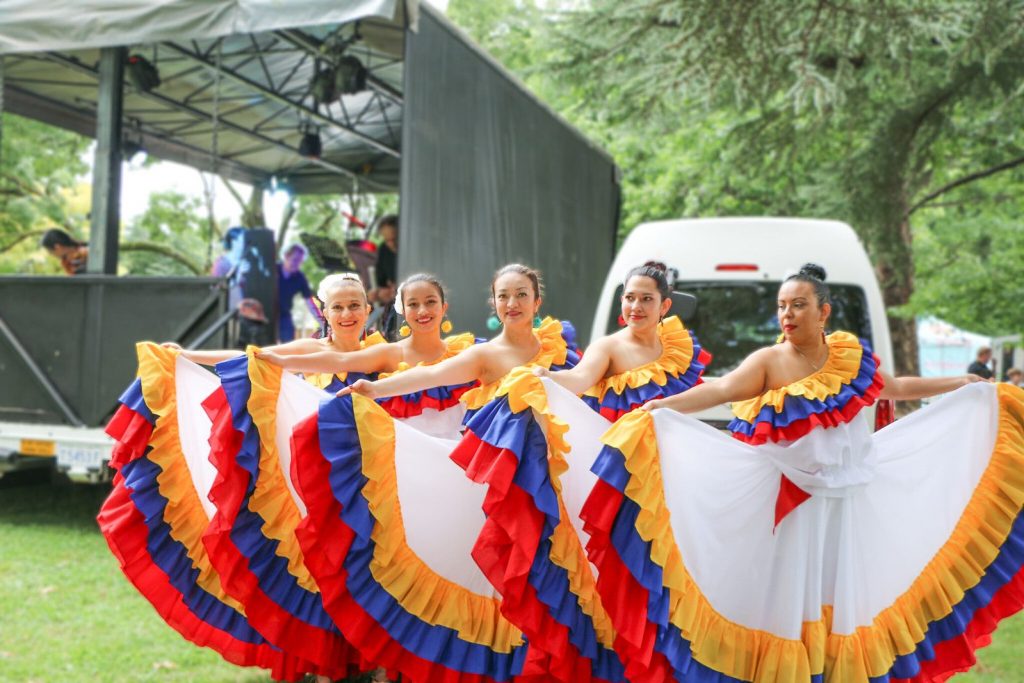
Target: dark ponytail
655	270
814	275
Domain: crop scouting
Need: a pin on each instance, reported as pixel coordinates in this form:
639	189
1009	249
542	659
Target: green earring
536	321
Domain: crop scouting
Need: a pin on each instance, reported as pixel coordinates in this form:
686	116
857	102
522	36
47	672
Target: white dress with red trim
159	508
391	525
808	548
227	498
678	368
534	447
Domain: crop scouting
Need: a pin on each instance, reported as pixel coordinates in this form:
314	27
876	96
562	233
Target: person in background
73	255
226	265
292	281
1015	376
386	275
982	364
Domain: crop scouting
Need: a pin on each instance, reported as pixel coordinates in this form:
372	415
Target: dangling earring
823	339
781	338
537	321
622	321
404	331
493	322
446	326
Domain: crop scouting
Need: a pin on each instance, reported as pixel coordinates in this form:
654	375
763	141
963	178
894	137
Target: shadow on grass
28	498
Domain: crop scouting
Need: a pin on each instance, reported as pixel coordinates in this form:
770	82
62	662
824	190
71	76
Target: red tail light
737	266
885	413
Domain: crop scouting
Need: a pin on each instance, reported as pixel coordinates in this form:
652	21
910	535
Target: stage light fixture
311	146
349	75
143	75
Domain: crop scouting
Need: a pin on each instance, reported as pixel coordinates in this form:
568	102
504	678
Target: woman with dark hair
73	255
651	357
806	545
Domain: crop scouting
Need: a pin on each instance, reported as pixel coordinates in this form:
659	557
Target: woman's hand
363	387
172	345
971	379
653	404
540	371
271	357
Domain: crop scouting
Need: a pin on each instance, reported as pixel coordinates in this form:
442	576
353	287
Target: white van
733	267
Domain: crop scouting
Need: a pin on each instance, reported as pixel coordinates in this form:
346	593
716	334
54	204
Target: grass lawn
68	614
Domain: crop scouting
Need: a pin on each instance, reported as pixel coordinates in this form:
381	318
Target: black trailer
485	172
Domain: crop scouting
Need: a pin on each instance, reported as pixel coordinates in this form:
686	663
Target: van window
734	319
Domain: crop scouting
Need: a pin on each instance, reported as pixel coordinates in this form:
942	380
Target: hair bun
813	270
657	265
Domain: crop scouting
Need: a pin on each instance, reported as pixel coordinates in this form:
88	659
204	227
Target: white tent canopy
31	25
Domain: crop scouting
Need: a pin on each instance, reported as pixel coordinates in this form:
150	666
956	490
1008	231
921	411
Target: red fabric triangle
789	499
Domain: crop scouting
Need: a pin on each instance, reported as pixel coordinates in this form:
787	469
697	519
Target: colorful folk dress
534	447
807	547
678	368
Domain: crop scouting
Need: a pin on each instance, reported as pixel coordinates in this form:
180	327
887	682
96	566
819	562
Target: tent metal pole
106	178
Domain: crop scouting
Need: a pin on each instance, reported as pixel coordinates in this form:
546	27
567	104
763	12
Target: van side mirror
684	305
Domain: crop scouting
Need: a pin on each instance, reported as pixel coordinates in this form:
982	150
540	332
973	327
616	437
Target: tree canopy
868	112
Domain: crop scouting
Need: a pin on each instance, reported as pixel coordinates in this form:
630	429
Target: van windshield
734	319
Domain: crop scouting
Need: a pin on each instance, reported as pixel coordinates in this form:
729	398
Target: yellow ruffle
841	367
453	346
758	656
552	351
396	567
271	499
184	511
675	359
525	391
322	380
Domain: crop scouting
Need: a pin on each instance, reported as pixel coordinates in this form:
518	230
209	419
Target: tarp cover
31	25
491	176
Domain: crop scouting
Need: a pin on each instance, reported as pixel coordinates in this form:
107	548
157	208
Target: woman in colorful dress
538	556
214	481
396	519
807	547
651	357
421	301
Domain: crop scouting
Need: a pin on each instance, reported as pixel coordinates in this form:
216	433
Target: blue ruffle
520	434
797	408
340	446
270	569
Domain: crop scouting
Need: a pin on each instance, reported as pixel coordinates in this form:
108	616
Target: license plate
79	457
38	447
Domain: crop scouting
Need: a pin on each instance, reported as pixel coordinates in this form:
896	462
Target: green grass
68	614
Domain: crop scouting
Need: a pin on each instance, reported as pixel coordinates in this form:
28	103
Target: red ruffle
765	431
330	654
622	596
505	551
125	530
130	432
325	541
398	407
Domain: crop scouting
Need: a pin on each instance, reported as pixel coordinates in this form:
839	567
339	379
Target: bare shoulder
762	358
305	345
606	344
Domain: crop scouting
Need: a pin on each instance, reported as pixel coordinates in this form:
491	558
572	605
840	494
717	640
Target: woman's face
514	300
800	316
642	305
346	311
423	308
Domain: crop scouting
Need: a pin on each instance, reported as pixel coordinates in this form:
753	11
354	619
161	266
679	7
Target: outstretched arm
213	357
591	369
377	358
914	388
460	369
746	381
